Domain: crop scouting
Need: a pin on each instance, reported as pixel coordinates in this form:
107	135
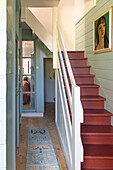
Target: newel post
76	141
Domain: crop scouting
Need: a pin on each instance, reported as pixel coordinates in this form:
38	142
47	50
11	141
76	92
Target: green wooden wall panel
105	83
88	28
102	64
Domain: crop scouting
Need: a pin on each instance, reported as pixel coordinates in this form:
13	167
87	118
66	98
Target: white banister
67	59
65	101
67	122
77	151
65	78
72	136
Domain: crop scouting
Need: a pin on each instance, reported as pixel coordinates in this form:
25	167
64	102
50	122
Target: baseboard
62	144
32	114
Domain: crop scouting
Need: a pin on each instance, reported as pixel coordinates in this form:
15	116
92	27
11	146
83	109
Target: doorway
49	81
28	77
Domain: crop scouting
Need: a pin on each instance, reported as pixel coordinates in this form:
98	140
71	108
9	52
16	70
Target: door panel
49	81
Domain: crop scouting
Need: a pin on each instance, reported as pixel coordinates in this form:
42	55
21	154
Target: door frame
17	88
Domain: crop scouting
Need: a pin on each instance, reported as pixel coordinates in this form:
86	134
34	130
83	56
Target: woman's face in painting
101	29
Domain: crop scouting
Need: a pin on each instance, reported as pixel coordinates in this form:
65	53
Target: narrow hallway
46	121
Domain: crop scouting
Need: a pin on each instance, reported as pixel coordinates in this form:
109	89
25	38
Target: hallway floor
46	121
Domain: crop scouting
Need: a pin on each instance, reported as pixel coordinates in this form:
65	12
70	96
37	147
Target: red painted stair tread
98	130
87	89
78	59
80	66
92	98
95	169
97	112
74	52
81	70
97	134
99	151
86	75
76	62
82	75
89	85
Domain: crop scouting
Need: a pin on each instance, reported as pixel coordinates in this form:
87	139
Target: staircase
96	131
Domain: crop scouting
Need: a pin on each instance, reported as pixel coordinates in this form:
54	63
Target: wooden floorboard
46	121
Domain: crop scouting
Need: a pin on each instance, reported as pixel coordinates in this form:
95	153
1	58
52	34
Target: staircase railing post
77	150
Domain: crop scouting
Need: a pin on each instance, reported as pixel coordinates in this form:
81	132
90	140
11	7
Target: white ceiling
44	15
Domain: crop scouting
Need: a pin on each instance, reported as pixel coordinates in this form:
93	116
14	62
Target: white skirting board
32	114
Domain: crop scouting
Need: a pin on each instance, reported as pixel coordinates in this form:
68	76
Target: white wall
44	15
38	29
69	12
3	84
66	21
49	81
82	7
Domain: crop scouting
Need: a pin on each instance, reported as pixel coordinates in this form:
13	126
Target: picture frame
103	32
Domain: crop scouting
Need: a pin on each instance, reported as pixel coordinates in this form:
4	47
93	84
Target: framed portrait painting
102	32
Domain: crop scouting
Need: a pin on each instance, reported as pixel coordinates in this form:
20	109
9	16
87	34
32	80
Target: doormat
40	151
